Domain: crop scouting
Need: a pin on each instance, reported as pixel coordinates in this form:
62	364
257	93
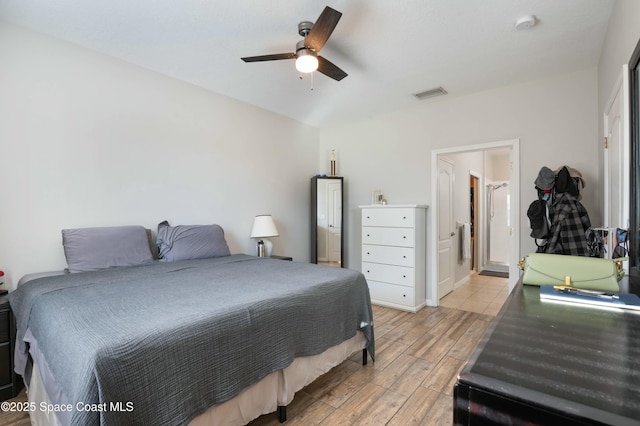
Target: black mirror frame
634	158
314	218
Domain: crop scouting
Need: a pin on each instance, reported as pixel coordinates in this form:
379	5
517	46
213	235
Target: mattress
277	389
215	328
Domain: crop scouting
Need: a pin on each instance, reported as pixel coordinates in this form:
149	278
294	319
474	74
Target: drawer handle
404	276
368	271
368	235
404	237
404	217
368	253
404	257
404	295
368	217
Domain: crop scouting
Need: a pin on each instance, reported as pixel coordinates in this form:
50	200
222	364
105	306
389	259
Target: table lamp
264	227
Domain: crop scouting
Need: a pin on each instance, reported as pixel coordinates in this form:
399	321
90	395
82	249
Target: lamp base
264	248
268	247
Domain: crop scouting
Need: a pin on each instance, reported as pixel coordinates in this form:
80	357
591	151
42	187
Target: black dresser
545	363
10	383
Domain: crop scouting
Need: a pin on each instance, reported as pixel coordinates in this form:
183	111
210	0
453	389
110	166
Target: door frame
478	232
620	88
514	255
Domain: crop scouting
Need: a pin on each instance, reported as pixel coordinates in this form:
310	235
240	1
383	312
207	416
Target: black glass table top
580	359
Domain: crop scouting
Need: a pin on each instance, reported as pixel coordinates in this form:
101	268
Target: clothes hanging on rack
569	225
559	222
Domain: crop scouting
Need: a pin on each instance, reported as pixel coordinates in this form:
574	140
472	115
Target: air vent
438	91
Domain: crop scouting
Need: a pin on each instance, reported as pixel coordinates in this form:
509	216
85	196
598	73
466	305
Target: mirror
634	158
327	230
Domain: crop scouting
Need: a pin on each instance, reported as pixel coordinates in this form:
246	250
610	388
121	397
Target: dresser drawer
400	275
402	237
5	363
4	325
391	293
395	217
401	256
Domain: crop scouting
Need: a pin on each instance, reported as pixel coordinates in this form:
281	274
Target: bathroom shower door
498	213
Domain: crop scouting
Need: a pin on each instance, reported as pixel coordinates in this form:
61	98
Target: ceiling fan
306	55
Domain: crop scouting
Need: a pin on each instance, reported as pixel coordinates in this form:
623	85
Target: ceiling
389	49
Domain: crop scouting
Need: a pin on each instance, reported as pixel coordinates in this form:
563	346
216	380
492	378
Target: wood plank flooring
418	358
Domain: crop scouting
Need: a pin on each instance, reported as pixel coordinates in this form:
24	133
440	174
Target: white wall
555	120
88	140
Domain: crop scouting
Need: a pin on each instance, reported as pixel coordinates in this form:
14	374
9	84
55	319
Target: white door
334	195
446	253
616	168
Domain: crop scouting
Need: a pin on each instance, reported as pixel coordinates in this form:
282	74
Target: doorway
512	233
497	241
474	209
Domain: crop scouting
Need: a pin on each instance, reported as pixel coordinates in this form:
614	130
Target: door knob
453	233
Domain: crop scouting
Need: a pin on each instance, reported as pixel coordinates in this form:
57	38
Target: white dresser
394	255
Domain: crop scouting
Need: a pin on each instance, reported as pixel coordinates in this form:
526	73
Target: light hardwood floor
418	358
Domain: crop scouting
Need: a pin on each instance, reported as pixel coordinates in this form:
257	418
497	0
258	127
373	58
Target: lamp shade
263	227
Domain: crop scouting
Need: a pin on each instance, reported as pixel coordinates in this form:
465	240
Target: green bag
589	273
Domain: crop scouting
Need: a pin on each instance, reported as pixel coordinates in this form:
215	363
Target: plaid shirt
569	224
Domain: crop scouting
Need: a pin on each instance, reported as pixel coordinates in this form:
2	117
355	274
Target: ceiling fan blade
322	29
275	57
330	70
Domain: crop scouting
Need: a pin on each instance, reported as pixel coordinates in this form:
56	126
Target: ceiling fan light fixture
307	61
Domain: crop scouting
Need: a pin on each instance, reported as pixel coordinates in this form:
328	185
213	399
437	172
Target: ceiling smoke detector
438	91
526	22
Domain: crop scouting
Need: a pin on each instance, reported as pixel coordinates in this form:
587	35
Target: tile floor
481	294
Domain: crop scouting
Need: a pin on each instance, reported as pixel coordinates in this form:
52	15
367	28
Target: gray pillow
92	249
152	244
185	242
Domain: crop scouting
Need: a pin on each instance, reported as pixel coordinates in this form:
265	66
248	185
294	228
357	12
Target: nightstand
10	382
282	257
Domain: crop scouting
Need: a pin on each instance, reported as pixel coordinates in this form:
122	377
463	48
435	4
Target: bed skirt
276	389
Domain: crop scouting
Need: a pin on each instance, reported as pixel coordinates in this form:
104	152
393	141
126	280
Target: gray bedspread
172	339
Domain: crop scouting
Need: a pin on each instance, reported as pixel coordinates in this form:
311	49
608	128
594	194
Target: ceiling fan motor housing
304	27
301	49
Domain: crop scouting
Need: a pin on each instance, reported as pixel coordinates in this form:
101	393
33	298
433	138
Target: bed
214	340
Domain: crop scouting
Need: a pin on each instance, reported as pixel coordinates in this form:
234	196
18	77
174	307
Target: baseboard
463	281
